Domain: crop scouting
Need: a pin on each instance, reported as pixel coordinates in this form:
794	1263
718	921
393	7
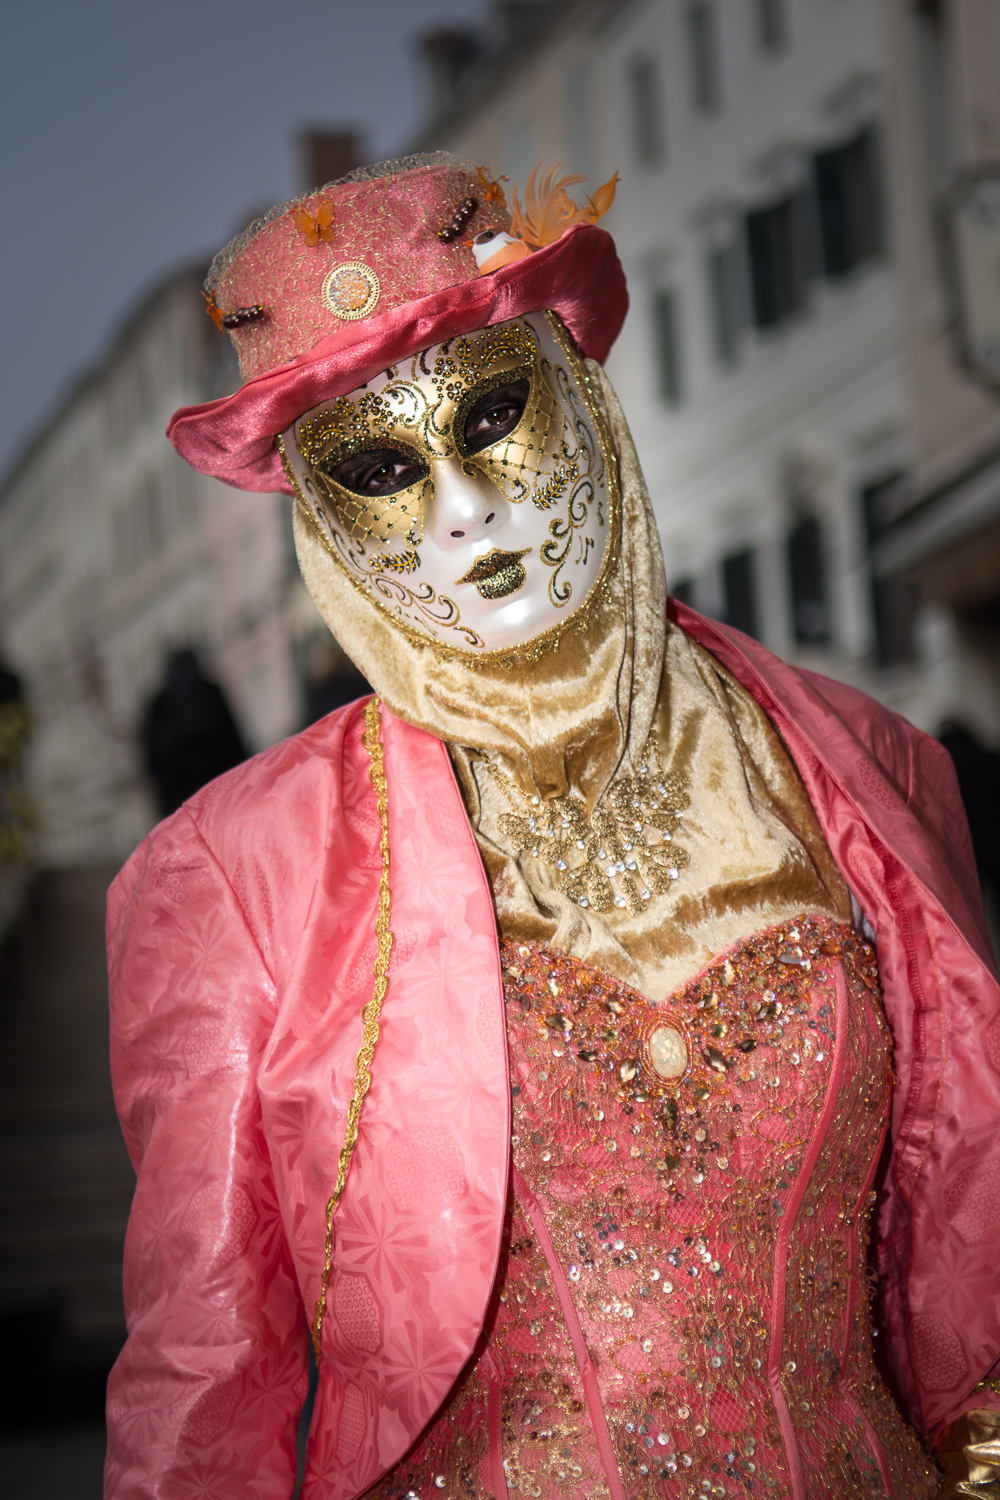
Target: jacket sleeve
206	1395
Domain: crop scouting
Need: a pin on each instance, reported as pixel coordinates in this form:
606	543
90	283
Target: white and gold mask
470	492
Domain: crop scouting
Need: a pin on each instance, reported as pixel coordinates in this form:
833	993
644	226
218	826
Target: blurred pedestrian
16	810
331	679
978	772
189	734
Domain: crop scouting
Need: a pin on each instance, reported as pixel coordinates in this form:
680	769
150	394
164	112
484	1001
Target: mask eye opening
499	380
398	511
362	472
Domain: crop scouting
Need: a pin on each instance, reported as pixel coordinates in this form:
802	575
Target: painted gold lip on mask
497	573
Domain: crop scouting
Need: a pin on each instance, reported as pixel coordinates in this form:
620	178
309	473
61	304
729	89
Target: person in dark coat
189	735
978	772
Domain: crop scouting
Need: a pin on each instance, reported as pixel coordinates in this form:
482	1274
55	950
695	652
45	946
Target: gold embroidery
398	562
547	494
372	1011
620	856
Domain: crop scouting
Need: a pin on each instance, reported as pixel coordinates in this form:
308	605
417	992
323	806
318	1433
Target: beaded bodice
681	1306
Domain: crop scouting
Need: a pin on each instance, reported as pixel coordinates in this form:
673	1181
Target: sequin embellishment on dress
681	1308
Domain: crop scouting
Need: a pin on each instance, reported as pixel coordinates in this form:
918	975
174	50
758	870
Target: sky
142	134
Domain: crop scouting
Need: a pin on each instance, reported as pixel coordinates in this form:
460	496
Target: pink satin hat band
579	277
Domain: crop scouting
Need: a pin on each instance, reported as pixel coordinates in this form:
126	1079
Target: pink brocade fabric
241	939
681	1307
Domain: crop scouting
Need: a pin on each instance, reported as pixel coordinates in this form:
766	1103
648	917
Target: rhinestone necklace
621	856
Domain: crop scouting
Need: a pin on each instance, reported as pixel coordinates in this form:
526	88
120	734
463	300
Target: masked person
531	1032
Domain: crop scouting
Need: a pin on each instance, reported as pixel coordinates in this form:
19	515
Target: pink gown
682	1304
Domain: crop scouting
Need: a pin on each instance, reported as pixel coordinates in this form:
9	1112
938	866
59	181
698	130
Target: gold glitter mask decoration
347	427
426	418
473	541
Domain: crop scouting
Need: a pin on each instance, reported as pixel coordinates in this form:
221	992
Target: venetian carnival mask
469	491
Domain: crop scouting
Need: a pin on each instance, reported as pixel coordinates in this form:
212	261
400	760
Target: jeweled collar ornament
623	854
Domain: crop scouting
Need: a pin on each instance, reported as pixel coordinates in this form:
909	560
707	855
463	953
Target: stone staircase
65	1178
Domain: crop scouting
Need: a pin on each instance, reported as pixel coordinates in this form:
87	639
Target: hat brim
579	277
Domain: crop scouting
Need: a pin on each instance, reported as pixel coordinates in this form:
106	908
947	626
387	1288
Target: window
847	198
221	369
740	592
727	295
182	484
140	523
772	25
894	599
647	112
125	548
935	77
665	333
145	390
121	410
777	249
706	72
807	576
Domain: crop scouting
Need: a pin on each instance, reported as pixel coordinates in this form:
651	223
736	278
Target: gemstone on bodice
667	1052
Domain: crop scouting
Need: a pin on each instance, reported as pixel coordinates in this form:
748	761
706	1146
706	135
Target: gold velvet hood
572	727
563	721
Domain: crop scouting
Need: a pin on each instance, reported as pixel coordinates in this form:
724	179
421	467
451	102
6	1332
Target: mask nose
466	507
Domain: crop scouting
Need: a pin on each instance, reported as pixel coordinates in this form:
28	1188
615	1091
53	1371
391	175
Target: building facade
790	364
939	540
115	553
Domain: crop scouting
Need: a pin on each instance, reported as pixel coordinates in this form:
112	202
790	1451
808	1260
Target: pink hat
324	293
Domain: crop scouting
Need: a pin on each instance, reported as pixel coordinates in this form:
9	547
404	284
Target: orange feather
548	210
602	199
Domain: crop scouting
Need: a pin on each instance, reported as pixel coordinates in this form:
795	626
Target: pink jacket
241	940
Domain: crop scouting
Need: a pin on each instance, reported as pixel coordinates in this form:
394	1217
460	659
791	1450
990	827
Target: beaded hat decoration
325	292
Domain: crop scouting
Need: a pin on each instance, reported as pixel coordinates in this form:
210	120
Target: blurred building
938	538
113	554
116	553
115	560
820	444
